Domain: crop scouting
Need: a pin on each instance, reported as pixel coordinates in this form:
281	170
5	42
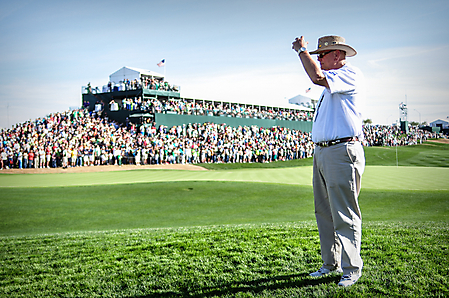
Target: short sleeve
341	80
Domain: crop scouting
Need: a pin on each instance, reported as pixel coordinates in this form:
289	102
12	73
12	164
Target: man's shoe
323	271
349	279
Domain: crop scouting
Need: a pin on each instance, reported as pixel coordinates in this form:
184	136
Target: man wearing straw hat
339	159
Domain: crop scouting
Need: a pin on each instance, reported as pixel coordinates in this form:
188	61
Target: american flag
162	63
308	89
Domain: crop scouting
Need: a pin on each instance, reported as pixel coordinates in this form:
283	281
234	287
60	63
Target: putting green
406	178
375	177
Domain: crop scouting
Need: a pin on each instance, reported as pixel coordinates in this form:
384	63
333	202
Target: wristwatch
303	49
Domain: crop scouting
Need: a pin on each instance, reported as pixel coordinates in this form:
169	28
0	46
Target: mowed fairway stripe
406	178
300	176
375	177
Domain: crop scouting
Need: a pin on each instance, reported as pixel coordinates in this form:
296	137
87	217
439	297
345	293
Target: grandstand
143	97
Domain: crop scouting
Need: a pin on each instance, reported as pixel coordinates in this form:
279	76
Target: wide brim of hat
350	51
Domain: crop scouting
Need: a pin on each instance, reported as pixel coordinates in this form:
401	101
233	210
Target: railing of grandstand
216	104
173	105
121	87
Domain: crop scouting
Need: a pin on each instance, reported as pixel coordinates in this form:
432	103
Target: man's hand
310	66
299	43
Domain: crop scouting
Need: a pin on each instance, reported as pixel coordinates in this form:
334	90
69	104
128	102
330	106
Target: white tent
302	101
132	73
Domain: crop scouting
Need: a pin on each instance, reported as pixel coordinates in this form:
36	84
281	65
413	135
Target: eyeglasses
321	55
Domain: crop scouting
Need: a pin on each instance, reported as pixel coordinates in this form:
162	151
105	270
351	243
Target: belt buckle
334	142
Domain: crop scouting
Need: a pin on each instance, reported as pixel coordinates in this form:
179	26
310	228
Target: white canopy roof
299	99
302	101
132	73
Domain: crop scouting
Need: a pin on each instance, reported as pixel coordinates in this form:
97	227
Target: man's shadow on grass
253	286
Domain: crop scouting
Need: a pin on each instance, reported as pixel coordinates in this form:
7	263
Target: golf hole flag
162	63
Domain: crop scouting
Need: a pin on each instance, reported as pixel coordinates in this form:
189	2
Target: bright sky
229	50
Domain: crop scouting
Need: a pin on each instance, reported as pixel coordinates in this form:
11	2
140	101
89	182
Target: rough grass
269	260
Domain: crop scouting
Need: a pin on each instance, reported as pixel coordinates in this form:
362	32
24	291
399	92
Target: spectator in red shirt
31	159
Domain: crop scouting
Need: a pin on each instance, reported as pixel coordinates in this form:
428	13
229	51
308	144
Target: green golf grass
375	177
193	203
267	260
234	231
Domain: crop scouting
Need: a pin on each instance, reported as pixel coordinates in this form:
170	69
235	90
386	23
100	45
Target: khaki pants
337	173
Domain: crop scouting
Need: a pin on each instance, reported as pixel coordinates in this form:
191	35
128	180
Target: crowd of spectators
82	138
158	84
204	108
391	135
192	107
145	82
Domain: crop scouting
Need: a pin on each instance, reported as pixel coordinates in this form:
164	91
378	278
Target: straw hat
332	42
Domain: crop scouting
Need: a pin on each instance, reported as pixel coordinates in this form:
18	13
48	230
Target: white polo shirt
338	113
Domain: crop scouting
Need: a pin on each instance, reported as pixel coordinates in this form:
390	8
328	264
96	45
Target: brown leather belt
335	142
